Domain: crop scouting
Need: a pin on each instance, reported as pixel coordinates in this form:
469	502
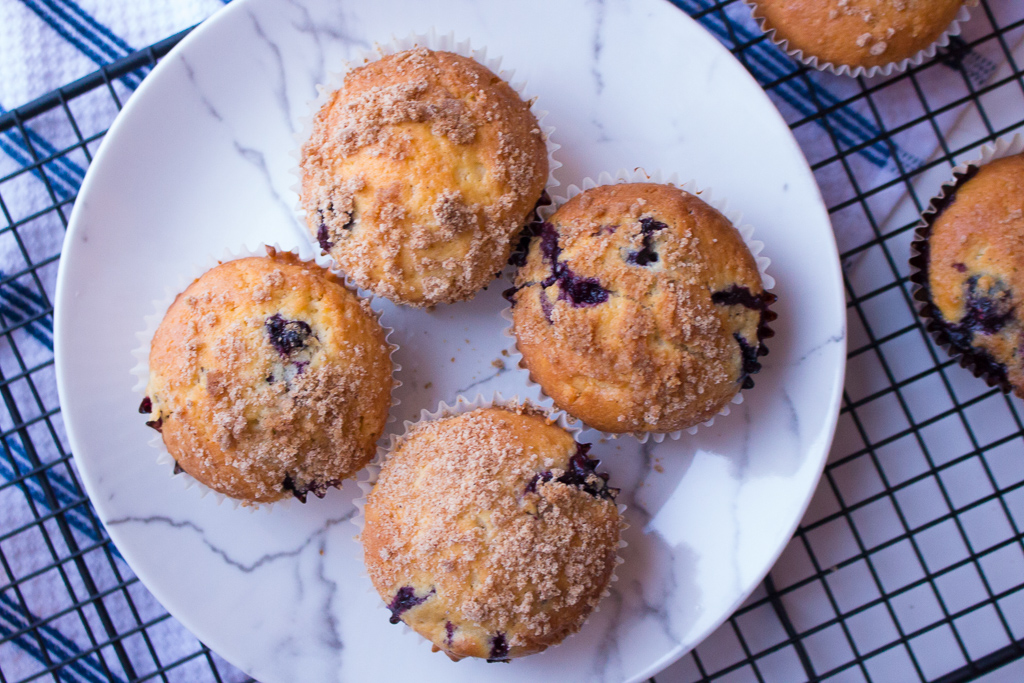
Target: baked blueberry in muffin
491	533
419	172
269	379
639	308
971	271
858	33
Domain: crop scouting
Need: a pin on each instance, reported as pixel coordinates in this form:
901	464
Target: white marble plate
199	160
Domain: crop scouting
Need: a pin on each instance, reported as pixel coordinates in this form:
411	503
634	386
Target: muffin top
976	269
419	172
490	534
858	32
638	307
268	378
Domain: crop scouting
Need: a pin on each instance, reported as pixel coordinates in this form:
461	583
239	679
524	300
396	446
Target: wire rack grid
909	565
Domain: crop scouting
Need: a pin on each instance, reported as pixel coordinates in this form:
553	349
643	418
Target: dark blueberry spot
178	468
323	235
300	366
300	491
647	255
499	649
545	306
737	295
146	406
404	600
522	248
510	295
644	257
287	335
289	485
157	424
987	311
582	474
549	248
750	365
578	291
323	238
960	267
449	629
960	337
270	379
581	291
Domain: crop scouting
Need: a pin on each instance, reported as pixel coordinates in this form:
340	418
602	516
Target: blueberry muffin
490	533
639	308
419	172
269	379
858	33
971	271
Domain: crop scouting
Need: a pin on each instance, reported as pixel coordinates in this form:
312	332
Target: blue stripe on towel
83	16
32	328
90	42
18	303
65	175
63	490
60	648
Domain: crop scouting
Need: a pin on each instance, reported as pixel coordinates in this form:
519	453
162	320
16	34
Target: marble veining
202	158
246	567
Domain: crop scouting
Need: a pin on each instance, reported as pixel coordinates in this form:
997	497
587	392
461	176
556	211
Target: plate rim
62	294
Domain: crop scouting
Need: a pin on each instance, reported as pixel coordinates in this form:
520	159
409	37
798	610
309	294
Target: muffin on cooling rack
639	308
419	171
490	533
971	271
858	33
269	379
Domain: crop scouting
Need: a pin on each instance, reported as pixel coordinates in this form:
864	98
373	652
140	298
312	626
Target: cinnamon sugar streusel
490	533
419	172
269	379
858	32
639	308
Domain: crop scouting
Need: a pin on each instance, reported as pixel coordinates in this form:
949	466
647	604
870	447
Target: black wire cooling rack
909	565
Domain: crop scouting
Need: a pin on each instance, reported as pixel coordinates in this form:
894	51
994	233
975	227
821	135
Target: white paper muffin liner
868	72
368	477
432	40
1001	148
153	320
641	176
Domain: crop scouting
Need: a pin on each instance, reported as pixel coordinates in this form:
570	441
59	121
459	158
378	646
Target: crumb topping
418	172
267	370
460	509
859	32
667	344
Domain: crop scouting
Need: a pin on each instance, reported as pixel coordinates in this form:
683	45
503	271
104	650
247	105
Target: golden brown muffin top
858	32
976	266
418	172
269	378
639	308
490	534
